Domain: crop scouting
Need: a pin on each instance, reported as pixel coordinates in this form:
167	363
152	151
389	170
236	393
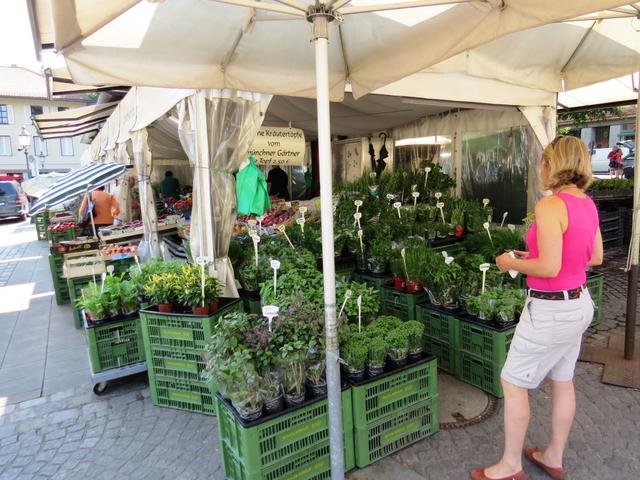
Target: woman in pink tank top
562	243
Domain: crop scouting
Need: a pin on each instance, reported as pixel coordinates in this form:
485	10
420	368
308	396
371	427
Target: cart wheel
100	388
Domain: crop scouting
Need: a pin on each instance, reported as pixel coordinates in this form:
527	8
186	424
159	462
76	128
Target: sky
16	42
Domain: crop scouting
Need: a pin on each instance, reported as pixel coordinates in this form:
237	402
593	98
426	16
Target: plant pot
375	370
293	400
318	389
165	308
249	415
432	297
376	266
274	405
398	362
451	306
129	313
414	286
414	356
355	375
214	307
399	283
201	310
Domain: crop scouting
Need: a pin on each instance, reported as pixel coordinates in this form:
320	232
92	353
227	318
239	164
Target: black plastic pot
293	400
249	415
398	362
274	405
414	356
375	370
318	389
355	375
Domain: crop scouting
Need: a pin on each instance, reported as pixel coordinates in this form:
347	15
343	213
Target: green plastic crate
394	392
397	431
439	324
252	306
68	234
595	284
59	282
400	303
485	342
182	330
375	281
311	464
185	364
181	394
481	373
115	344
446	354
74	287
289	434
42	225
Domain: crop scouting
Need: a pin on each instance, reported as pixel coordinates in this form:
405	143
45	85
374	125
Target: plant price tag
513	273
486	227
483	268
511	227
440	206
426	175
397	206
485	202
270	311
283	230
275	264
504	217
347	296
300	221
415	196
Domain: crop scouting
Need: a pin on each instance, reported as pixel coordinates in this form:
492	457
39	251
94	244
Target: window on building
602	137
63	109
66	147
4	114
39	146
5	145
36	109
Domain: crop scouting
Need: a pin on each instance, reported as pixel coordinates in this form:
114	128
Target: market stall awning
37	186
616	91
60	83
76	183
69	123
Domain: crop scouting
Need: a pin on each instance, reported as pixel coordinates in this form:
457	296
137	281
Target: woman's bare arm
598	251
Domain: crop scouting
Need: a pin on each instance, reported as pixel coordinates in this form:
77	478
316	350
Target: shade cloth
72	122
76	183
37	186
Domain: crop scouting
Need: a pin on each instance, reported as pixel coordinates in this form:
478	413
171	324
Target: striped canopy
78	182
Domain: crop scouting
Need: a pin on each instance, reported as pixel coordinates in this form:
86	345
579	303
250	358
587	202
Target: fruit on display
113	249
62	226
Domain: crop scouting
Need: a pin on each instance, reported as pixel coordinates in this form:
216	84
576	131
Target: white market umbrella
36	186
264	47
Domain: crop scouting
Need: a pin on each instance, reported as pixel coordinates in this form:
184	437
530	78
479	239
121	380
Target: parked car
13	200
629	160
600	157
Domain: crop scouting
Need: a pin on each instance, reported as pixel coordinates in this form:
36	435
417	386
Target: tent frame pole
634	254
334	390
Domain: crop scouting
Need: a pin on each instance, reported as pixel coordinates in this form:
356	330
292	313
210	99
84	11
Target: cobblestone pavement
73	434
614	307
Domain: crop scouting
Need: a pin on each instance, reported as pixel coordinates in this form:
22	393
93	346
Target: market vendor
170	186
106	207
278	182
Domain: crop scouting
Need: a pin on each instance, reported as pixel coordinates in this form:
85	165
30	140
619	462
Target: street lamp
40	166
24	139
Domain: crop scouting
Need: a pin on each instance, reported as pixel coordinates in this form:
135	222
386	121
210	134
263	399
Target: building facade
604	132
23	93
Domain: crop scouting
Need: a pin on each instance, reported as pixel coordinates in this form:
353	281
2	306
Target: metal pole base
632	301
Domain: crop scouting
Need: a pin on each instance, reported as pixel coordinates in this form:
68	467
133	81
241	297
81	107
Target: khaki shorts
547	340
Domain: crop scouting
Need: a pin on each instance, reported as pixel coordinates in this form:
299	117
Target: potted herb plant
378	255
271	391
397	270
92	303
355	354
129	298
316	375
244	391
415	332
378	349
163	290
294	359
398	340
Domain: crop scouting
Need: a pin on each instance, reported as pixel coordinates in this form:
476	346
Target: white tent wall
216	130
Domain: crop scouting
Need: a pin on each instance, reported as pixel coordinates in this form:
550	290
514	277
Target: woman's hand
504	262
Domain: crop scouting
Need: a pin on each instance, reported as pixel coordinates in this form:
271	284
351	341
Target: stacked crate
174	344
395	410
595	284
292	444
114	344
612	227
42	225
400	303
373	280
75	287
56	261
472	350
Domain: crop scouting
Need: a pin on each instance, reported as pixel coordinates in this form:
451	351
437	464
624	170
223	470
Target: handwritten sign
278	146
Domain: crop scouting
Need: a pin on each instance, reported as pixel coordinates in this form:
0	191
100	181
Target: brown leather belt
572	294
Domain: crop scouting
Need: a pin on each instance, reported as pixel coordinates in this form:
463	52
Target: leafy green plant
378	349
163	288
271	384
443	281
355	354
415	331
129	297
91	301
370	300
483	305
378	255
611	184
398	341
385	323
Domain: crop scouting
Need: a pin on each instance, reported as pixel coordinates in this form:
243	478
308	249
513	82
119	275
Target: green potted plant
378	349
355	354
271	391
482	305
250	276
212	294
92	303
244	390
378	255
316	374
415	332
397	270
370	303
129	298
163	290
294	360
398	341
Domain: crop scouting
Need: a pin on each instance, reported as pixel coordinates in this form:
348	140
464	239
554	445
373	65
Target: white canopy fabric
618	90
130	42
73	122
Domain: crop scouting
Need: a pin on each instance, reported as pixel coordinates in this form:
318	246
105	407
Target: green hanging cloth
251	190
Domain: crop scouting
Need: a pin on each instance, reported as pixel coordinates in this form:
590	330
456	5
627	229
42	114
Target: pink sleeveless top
577	245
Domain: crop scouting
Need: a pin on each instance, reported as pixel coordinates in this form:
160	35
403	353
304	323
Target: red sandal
478	474
553	472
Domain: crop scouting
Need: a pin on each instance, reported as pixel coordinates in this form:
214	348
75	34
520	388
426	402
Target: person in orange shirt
106	207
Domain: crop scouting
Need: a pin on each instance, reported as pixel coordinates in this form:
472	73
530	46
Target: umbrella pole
632	291
321	38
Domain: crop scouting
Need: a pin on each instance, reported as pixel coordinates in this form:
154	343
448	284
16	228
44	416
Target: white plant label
283	230
444	254
486	227
403	254
513	273
275	265
110	269
440	206
485	202
358	204
300	221
137	264
252	223
360	234
347	296
260	220
357	216
256	240
303	210
483	268
426	175
415	196
397	206
103	277
511	227
270	311
202	261
372	175
504	217
390	196
448	260
359	303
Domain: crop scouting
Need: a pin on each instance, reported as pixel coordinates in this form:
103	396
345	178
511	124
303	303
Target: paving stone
64	416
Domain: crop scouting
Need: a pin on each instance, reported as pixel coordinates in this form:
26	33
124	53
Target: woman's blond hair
568	162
